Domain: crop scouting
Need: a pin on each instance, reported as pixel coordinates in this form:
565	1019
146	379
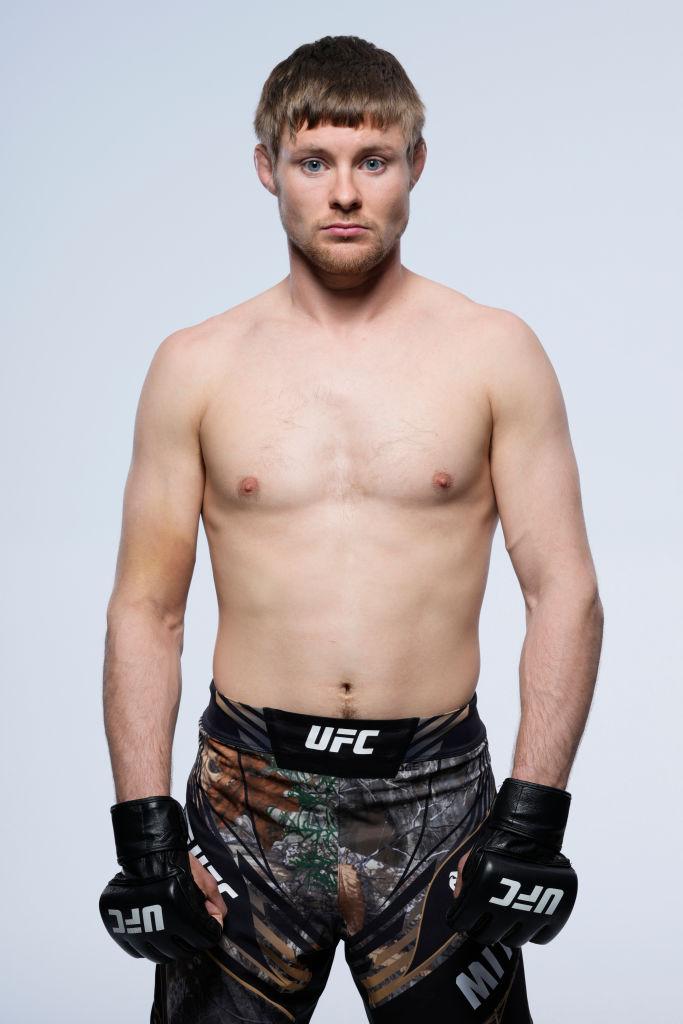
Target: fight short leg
321	829
407	963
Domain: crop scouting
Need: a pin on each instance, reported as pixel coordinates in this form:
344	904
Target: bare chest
405	421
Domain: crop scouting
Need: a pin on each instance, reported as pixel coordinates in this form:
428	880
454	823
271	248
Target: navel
347	698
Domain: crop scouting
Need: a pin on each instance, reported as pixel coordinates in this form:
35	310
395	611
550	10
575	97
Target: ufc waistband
346	747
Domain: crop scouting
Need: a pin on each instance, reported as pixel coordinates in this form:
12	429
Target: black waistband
348	747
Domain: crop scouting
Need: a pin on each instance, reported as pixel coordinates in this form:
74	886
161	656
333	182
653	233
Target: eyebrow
311	150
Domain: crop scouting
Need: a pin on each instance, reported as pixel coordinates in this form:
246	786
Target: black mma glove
153	908
516	885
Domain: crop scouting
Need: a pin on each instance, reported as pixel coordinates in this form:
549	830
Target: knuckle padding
507	900
171	911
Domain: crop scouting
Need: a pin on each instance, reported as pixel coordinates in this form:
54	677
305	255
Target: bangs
345	111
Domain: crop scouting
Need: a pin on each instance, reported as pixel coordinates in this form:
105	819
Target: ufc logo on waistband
331	739
152	920
537	900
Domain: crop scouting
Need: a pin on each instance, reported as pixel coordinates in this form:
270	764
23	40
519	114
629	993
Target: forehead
338	139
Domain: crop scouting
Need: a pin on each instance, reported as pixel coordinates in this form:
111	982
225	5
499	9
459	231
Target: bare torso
348	506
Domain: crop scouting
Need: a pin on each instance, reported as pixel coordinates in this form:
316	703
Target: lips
344	230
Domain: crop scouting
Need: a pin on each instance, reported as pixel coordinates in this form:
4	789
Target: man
350	438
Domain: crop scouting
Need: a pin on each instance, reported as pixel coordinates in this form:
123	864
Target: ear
265	168
419	160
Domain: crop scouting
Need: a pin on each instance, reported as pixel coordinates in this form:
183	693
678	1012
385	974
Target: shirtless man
350	438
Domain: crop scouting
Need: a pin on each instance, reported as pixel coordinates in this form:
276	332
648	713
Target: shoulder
497	327
504	352
188	348
500	329
185	366
198	354
518	374
498	339
509	353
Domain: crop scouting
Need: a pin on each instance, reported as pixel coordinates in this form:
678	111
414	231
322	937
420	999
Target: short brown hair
340	80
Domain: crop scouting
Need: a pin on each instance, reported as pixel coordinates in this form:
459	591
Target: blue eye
369	159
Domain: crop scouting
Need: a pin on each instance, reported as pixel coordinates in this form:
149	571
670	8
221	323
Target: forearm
142	683
558	669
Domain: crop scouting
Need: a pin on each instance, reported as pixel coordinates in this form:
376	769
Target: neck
344	301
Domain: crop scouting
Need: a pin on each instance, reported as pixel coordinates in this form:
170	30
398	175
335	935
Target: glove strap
530	809
149	825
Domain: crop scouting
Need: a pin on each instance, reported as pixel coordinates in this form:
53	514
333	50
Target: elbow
124	615
572	590
596	605
588	598
597	615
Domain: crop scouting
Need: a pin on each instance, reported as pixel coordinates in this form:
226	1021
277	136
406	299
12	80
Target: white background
131	208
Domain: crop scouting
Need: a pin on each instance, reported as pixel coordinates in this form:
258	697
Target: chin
342	257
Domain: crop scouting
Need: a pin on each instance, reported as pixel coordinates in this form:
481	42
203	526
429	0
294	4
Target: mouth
344	230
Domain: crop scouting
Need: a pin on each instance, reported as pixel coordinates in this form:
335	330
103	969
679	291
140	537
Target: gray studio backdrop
131	208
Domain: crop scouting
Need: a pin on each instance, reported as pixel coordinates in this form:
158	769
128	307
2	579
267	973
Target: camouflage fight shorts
321	829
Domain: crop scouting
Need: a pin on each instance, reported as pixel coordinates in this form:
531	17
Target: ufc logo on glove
152	920
537	900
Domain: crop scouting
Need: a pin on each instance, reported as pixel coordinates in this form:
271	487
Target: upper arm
533	468
165	485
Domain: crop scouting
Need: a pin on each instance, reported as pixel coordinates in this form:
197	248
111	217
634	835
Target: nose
344	194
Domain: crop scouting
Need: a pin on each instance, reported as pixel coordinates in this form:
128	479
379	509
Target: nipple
442	480
248	485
